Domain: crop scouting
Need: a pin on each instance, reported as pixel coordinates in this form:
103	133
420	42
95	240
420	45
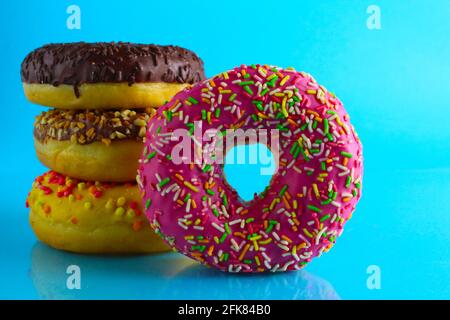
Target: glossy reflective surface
164	276
405	235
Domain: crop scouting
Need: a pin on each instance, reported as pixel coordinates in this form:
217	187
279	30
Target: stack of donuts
101	97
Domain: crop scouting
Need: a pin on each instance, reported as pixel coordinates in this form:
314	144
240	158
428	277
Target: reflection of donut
219	286
167	276
105	277
310	197
90	217
99	145
101	75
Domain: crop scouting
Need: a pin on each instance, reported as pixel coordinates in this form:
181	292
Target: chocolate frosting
81	62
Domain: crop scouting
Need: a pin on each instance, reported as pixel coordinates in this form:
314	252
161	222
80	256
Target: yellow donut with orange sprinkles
90	217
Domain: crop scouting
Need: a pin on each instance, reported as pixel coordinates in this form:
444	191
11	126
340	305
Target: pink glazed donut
310	197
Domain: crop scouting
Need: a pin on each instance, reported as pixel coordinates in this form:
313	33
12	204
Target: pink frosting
309	199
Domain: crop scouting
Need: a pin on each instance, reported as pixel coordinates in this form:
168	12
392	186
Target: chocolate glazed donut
105	75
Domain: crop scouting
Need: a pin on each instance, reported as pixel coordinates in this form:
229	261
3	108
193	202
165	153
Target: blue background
394	83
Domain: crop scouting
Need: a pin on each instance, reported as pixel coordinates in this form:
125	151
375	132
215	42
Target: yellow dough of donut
117	162
102	95
85	222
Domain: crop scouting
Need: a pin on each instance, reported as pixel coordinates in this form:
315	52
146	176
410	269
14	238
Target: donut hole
249	168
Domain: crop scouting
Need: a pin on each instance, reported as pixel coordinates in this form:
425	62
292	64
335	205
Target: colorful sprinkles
310	197
53	191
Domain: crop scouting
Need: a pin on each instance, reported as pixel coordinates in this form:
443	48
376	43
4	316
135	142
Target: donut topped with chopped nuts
87	126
